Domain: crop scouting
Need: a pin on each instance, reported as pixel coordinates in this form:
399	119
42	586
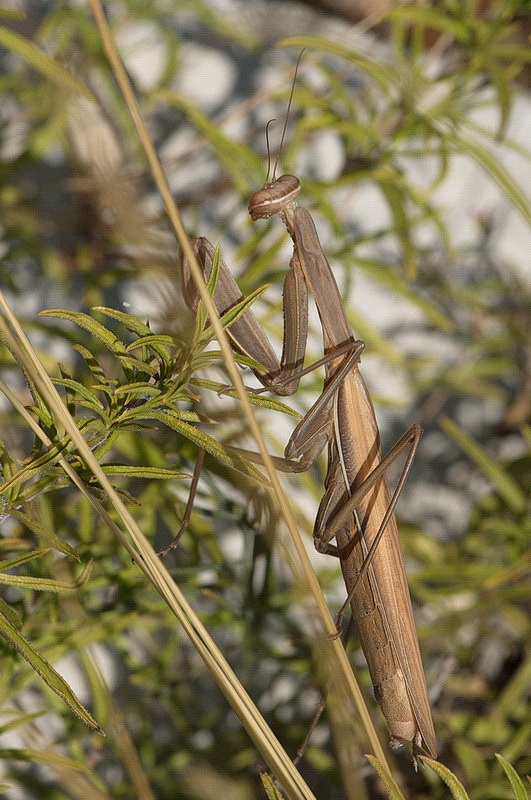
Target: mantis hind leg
409	441
189	505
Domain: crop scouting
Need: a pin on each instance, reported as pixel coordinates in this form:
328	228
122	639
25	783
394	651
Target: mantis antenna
286	120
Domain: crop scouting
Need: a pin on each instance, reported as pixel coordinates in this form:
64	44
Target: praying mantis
357	508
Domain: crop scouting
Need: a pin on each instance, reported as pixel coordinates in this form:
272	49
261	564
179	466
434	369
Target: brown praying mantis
357	508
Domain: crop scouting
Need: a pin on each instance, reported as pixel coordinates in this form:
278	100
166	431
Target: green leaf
209	444
376	70
130	363
490	162
39	61
402	228
432	18
512	53
393	792
158	343
457	790
508	489
47	584
11	615
395	284
214	271
20	719
95	329
49	675
270	789
11	13
79	390
44	757
34	469
44	533
128	320
14	563
231	316
237	159
91	362
148	473
516	782
261	400
146	391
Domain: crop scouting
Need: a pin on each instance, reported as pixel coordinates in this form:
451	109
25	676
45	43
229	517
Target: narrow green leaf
18	720
145	390
11	615
130	363
91	362
390	280
148	473
255	399
499	78
238	309
128	320
402	225
378	71
233	314
393	792
270	789
208	358
95	328
214	271
11	13
433	18
47	584
201	316
516	782
80	391
490	162
193	416
44	533
43	757
31	470
161	345
14	563
49	675
457	790
152	339
238	160
209	444
512	53
508	489
41	62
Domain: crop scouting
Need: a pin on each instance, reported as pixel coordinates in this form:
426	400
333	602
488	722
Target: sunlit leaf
49	675
47	584
48	757
95	328
391	788
38	60
236	158
457	790
43	532
517	784
493	471
374	69
209	444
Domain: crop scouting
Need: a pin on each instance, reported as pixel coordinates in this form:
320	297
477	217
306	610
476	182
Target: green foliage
76	228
